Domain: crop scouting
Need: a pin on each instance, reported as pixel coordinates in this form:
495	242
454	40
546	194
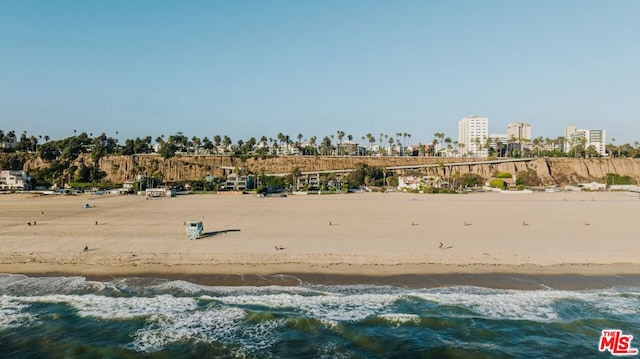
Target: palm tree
384	176
196	144
34	143
10	137
340	135
536	143
271	141
312	142
226	140
448	142
326	145
439	137
372	140
295	173
613	146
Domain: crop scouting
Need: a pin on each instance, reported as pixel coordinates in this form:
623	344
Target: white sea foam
211	325
528	305
224	325
12	313
613	303
180	286
103	307
23	285
330	306
515	305
400	318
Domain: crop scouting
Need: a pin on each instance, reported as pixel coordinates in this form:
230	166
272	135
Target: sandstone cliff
184	168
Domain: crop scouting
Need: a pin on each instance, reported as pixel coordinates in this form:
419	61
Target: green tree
167	150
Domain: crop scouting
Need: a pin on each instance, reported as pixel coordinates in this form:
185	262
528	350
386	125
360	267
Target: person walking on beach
86	248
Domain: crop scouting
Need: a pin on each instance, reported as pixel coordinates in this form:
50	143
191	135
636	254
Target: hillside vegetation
122	168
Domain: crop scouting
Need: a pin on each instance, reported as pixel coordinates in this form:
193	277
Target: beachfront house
417	183
311	181
409	183
15	180
238	183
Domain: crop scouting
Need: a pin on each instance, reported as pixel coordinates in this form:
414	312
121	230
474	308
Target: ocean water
71	317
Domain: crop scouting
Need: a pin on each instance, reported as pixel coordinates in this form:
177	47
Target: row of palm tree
283	144
24	142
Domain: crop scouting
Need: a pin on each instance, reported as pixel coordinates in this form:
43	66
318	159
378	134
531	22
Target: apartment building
472	135
519	131
575	136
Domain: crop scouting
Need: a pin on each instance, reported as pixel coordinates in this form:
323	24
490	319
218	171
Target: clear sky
253	68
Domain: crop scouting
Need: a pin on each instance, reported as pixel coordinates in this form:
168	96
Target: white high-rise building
575	136
472	135
519	131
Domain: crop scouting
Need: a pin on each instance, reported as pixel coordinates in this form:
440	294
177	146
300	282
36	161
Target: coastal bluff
559	171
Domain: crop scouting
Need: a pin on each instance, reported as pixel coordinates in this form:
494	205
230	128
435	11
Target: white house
415	182
14	180
409	182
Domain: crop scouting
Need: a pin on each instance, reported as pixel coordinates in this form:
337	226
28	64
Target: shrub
528	178
614	178
497	183
503	175
471	180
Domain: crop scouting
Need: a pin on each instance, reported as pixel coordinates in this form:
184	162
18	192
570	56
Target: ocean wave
115	308
18	284
541	305
209	325
247	320
329	306
12	313
398	319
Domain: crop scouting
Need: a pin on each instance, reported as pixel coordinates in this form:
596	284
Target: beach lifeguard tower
194	229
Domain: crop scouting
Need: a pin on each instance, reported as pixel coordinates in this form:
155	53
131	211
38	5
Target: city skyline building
519	131
472	134
587	138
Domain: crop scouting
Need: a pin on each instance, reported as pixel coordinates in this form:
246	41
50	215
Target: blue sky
253	68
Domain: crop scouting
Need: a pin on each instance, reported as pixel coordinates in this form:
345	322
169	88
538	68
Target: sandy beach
368	234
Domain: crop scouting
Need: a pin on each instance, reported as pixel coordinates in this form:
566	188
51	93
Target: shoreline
523	277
